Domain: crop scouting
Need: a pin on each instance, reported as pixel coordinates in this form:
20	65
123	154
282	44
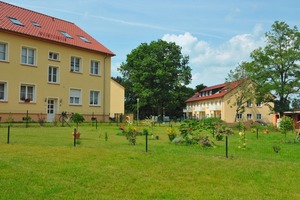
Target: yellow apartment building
214	101
117	99
49	66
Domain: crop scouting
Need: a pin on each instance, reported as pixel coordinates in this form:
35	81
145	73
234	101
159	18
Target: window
75	96
53	56
94	98
84	39
15	21
249	104
28	56
53	74
66	34
239	116
75	64
95	65
3	91
36	24
258	104
249	116
3	52
258	116
27	93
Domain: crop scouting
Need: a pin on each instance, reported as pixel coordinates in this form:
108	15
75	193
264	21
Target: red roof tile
222	92
49	30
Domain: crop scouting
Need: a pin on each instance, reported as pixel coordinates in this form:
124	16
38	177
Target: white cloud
211	64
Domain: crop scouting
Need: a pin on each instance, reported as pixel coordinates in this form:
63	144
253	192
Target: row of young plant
200	132
204	132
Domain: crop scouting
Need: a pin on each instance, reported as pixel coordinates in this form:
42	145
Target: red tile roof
50	28
223	90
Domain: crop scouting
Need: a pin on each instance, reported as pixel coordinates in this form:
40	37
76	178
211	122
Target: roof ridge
49	26
19	7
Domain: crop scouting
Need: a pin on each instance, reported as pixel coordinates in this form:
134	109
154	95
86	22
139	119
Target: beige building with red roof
216	101
48	65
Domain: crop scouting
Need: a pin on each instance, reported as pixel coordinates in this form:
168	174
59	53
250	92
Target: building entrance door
51	110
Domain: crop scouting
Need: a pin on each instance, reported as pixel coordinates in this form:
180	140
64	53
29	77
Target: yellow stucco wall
229	111
117	97
220	107
14	74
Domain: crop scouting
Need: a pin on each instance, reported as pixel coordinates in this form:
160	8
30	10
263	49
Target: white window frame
3	91
28	59
5	52
51	76
93	67
75	64
239	116
258	116
249	104
28	96
249	116
94	98
75	96
53	56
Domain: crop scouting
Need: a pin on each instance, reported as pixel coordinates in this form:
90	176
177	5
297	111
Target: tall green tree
276	66
245	89
155	71
199	87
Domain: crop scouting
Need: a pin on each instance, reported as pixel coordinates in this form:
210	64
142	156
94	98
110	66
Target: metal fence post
226	146
8	133
75	136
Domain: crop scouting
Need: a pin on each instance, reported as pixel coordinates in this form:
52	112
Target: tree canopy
244	93
275	68
155	72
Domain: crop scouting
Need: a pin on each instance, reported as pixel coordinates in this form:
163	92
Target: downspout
104	86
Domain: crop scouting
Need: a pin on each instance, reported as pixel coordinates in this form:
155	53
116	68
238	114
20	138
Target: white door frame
51	109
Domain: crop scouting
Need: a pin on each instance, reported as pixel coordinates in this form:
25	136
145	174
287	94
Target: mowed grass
42	163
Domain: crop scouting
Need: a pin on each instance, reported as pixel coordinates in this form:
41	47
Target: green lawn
42	163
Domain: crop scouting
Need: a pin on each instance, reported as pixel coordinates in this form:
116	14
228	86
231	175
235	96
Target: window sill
54	83
94	105
75	72
28	65
4	61
97	75
23	102
75	104
53	60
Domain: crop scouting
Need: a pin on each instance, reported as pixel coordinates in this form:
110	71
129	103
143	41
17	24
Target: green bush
77	118
286	124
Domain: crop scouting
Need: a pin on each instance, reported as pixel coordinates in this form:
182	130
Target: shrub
77	118
206	142
286	124
131	132
171	134
219	137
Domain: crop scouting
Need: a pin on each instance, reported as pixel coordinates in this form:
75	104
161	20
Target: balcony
214	108
187	110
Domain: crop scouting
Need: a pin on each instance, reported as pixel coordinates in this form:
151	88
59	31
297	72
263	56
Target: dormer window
66	34
36	24
15	21
84	39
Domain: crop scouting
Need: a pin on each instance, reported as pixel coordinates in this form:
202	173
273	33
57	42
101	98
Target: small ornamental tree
78	118
286	124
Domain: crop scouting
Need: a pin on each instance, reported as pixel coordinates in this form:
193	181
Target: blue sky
215	34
